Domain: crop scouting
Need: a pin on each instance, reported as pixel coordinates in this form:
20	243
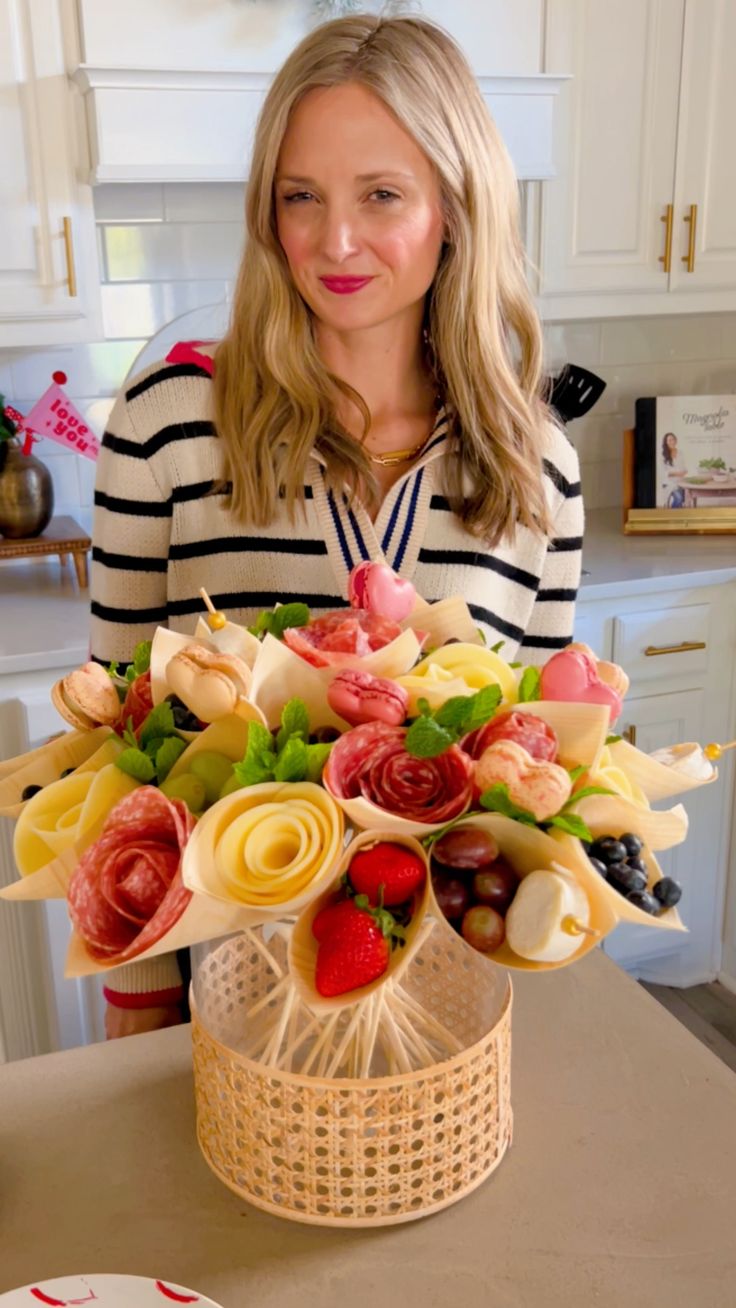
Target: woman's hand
135	1021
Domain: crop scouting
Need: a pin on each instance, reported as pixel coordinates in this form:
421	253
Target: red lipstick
345	285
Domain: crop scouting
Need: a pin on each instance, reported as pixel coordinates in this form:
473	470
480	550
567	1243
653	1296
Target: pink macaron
359	697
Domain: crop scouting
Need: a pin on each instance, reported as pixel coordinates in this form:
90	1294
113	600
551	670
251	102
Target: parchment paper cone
303	946
613	815
41	766
529	850
655	779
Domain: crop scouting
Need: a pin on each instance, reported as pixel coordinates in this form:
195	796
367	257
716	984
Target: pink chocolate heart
572	676
376	587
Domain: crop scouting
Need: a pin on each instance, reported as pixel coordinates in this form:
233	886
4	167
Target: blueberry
638	863
609	850
598	865
668	892
643	900
30	791
66	772
586	845
634	844
324	735
184	719
627	878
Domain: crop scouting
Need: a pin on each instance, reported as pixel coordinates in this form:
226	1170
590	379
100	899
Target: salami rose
325	641
126	891
138	702
371	761
525	729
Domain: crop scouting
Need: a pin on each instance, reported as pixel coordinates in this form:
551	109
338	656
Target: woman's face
356	198
671	441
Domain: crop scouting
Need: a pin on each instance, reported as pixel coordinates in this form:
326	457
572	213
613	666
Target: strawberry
323	921
355	947
388	867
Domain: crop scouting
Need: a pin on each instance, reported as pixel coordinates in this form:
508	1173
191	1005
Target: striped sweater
161	530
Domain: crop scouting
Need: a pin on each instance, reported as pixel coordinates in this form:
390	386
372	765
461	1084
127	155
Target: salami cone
41	766
265	849
279	675
303	946
364	815
655	779
527	849
581	729
202	919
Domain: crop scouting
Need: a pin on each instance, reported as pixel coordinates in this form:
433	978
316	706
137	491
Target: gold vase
26	493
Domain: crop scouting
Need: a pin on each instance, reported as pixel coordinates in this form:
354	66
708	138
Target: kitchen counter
621	565
45	616
619	1188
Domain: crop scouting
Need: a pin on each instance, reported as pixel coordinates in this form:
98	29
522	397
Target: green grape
230	785
213	770
186	787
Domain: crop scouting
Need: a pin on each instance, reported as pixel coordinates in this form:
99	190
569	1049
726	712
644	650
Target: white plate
104	1292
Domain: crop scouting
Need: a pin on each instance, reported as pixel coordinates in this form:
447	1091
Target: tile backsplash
168	249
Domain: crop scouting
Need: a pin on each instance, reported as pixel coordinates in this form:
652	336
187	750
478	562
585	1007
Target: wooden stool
63	536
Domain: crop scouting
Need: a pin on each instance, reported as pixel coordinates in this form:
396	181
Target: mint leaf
424	708
294	722
483	706
260	758
136	764
291	764
572	824
167	754
529	686
455	712
577	772
582	794
289	615
496	649
112	668
317	756
498	800
426	738
612	740
142	657
159	722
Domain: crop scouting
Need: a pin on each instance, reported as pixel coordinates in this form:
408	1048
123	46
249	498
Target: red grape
496	885
483	928
452	895
465	847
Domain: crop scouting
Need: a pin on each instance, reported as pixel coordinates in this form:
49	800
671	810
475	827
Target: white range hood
147	125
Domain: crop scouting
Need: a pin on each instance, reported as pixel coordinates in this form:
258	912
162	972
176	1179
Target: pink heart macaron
360	697
572	677
376	587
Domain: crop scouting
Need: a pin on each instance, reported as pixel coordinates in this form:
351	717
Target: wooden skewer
215	619
572	927
714	751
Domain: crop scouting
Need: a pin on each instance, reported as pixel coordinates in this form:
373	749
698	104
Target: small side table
63	536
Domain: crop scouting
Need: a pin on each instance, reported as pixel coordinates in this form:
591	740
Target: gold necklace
397	456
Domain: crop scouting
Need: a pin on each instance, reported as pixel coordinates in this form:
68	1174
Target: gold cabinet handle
692	218
630	734
684	648
667	218
71	276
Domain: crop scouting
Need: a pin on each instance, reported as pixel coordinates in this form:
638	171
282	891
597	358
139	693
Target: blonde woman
377	393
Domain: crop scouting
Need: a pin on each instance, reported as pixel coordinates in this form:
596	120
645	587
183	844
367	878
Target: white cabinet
678	648
49	286
644	152
40	1011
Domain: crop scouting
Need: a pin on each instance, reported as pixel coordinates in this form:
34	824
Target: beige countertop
619	1189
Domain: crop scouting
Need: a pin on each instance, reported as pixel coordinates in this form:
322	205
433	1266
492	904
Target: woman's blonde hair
276	401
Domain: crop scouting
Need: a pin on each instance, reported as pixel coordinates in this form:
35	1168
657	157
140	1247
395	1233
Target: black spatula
574	392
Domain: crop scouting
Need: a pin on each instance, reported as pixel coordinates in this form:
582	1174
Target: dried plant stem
255	940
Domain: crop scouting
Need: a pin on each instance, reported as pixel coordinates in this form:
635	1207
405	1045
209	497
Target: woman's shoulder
174	392
560	461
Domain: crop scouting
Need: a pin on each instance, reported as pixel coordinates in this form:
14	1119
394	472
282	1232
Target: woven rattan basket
343	1151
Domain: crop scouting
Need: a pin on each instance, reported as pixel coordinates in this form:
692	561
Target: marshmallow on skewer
548	915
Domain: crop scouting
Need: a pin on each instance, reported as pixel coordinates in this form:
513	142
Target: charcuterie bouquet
370	816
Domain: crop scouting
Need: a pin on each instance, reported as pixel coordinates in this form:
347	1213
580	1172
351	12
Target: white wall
167	249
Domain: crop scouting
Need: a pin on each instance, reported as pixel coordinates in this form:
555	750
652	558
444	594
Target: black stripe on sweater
130	617
166	374
439	502
499	624
569	543
138	508
128	562
546	642
567	488
198	490
176	431
487	561
198	549
255	599
544	596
